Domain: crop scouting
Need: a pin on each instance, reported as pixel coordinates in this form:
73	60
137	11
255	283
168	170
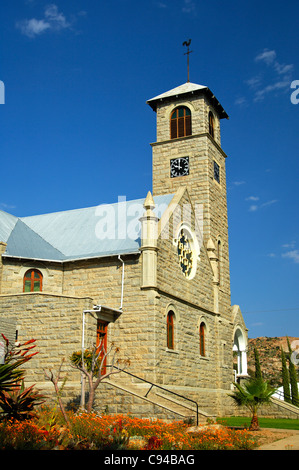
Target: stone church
150	276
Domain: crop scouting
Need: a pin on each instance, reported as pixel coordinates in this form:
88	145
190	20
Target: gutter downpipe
83	378
96	308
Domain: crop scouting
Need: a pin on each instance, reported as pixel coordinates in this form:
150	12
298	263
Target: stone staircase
163	398
287	409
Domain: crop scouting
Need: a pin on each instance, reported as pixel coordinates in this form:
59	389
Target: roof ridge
81	208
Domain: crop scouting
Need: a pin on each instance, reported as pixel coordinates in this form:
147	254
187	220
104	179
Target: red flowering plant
118	436
154	443
26	435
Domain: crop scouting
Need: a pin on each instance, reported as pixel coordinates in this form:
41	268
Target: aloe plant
16	401
19	403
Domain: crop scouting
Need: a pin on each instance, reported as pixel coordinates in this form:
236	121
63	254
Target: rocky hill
269	350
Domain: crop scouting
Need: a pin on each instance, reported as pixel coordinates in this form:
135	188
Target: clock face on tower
179	167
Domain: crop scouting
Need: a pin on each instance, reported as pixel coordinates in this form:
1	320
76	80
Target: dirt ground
266	436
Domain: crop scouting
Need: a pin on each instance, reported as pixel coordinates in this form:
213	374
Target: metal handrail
279	393
159	386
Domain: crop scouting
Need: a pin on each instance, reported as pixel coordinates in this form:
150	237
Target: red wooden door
102	343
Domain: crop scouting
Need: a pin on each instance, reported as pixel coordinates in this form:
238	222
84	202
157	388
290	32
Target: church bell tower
188	153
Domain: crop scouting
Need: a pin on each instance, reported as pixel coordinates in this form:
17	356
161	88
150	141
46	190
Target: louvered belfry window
180	122
211	124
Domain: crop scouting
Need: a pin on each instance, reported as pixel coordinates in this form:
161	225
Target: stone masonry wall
14	271
198	290
8	329
55	322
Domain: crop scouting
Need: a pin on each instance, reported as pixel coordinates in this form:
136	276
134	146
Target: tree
253	394
92	365
258	372
285	378
58	391
293	378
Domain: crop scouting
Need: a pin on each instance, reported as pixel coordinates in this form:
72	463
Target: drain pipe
122	282
83	378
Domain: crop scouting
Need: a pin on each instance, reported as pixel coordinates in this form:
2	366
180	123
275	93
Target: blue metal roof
107	229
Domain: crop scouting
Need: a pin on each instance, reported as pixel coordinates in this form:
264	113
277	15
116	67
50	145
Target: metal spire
187	44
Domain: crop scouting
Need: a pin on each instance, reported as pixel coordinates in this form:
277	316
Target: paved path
288	443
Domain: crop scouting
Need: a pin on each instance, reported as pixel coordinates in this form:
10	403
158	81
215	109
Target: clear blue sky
75	126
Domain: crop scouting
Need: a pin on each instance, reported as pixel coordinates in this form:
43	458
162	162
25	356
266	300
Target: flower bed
90	431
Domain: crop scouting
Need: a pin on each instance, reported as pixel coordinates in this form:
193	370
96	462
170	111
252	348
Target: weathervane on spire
187	44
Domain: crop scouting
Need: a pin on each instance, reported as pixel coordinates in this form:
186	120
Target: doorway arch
240	350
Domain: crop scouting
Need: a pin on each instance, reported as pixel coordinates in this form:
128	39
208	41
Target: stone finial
149	203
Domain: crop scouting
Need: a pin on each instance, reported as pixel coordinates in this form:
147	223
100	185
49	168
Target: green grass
263	422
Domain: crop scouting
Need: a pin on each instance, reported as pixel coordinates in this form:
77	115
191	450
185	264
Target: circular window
185	253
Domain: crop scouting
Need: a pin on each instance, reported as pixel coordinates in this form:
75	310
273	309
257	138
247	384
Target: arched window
180	122
202	345
170	330
211	124
33	281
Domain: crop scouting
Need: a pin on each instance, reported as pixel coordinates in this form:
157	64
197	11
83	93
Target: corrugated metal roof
25	243
7	223
103	230
186	89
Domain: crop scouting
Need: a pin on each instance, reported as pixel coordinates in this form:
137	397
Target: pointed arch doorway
240	353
